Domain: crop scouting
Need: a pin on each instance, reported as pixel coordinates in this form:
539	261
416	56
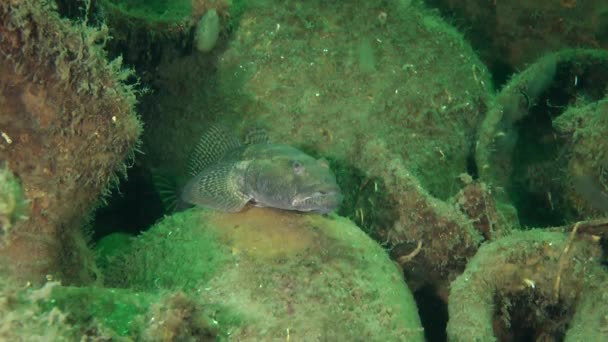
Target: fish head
296	181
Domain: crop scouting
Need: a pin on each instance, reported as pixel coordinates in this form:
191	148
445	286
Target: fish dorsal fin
219	187
257	135
211	147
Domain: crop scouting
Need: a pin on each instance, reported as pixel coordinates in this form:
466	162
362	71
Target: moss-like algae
526	280
70	115
169	11
12	203
286	275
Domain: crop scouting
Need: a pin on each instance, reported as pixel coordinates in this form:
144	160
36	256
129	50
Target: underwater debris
148	32
595	228
496	136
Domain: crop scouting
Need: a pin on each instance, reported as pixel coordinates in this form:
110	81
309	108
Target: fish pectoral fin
166	187
218	187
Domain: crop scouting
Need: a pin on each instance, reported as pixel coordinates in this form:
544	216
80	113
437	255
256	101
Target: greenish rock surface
329	77
66	313
278	275
12	202
169	11
541	140
388	92
585	165
520	280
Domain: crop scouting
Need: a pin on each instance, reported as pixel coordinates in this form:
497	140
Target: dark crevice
433	313
131	209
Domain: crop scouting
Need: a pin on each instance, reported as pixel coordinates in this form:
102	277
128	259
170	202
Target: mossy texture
586	169
543	131
526	280
283	274
329	77
12	203
171	12
63	313
364	84
68	124
510	34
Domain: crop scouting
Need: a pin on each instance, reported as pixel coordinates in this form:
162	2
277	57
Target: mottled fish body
226	175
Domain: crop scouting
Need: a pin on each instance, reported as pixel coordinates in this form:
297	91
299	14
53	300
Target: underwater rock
514	286
297	70
281	275
68	123
510	34
512	103
22	319
585	129
543	138
329	78
67	313
143	30
477	202
431	239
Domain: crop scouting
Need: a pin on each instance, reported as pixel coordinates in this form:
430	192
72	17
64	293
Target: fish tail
167	189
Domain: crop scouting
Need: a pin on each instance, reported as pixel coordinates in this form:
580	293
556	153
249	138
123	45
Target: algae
437	168
283	273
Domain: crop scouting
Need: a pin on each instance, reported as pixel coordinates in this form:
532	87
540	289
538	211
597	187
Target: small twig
404	259
563	258
593	227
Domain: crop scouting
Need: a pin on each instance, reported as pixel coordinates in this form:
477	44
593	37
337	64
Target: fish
227	174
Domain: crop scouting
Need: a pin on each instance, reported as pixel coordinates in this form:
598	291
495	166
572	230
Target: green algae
274	274
12	202
176	254
171	11
526	274
117	310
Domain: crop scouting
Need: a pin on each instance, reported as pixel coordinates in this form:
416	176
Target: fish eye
297	167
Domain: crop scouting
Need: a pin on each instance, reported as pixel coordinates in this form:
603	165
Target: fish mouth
321	201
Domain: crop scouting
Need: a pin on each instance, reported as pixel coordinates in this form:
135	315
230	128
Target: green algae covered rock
514	285
388	92
278	275
329	77
67	313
